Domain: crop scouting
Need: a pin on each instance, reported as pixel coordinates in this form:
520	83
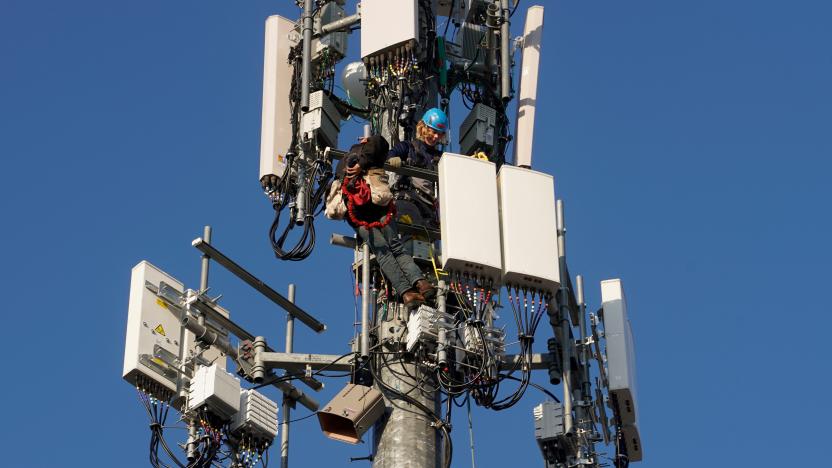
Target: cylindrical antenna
527	98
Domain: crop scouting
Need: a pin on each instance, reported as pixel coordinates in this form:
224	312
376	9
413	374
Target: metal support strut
288	404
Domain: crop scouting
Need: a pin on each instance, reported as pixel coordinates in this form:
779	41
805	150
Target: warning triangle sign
160	330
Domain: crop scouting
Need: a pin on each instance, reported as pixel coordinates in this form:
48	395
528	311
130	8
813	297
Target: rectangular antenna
257	284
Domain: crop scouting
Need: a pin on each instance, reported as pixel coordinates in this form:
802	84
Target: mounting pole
203	286
565	329
505	52
585	382
306	71
365	301
365	291
287	402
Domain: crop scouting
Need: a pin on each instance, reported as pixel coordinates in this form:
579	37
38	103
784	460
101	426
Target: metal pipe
342	23
306	72
206	260
365	301
365	290
585	412
505	52
258	368
257	284
492	22
585	384
287	403
205	336
343	241
181	391
566	343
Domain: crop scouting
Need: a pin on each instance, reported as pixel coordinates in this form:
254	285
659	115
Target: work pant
396	265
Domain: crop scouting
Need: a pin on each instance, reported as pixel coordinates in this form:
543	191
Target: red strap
359	195
358	189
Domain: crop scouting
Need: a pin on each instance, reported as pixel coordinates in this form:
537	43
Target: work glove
395	162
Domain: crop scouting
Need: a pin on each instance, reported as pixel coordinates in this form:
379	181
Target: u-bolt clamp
258	369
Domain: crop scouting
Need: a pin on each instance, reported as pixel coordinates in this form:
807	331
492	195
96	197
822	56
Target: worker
415	197
370	212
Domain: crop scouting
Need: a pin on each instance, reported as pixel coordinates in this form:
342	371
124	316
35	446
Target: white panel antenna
528	229
621	363
469	220
388	24
276	131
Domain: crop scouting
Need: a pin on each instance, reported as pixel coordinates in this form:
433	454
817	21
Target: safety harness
357	192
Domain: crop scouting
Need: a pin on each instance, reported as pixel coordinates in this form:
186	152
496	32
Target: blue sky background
689	140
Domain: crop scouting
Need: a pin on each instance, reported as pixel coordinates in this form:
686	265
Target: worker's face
432	137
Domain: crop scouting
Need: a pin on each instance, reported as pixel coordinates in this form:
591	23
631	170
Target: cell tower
498	243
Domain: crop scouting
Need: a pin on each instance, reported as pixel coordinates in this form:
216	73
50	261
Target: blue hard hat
436	119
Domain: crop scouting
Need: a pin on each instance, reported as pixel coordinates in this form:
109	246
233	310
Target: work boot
426	289
412	299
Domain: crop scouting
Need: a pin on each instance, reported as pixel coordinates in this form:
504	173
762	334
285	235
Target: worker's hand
353	171
395	162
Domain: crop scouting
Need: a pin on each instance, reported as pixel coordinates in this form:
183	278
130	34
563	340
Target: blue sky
689	140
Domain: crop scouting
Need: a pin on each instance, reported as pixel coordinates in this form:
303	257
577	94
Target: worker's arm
398	154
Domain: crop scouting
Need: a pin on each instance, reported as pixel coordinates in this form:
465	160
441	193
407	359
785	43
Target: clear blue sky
690	141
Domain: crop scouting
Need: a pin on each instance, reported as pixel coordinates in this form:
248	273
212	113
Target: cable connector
440	425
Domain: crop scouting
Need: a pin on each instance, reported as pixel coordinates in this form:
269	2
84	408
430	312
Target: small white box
387	23
257	416
153	330
528	228
215	388
469	218
423	326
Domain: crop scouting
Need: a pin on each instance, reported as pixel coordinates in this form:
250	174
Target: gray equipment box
335	43
323	118
351	413
555	444
477	131
632	441
471	38
548	421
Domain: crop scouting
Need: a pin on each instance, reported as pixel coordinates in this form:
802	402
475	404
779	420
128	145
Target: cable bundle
157	411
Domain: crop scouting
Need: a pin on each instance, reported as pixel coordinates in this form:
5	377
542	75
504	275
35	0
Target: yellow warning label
161	303
159	330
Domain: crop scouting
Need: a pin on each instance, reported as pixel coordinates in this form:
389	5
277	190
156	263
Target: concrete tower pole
404	436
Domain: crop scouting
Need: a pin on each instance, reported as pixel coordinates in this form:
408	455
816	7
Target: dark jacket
416	153
368	155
